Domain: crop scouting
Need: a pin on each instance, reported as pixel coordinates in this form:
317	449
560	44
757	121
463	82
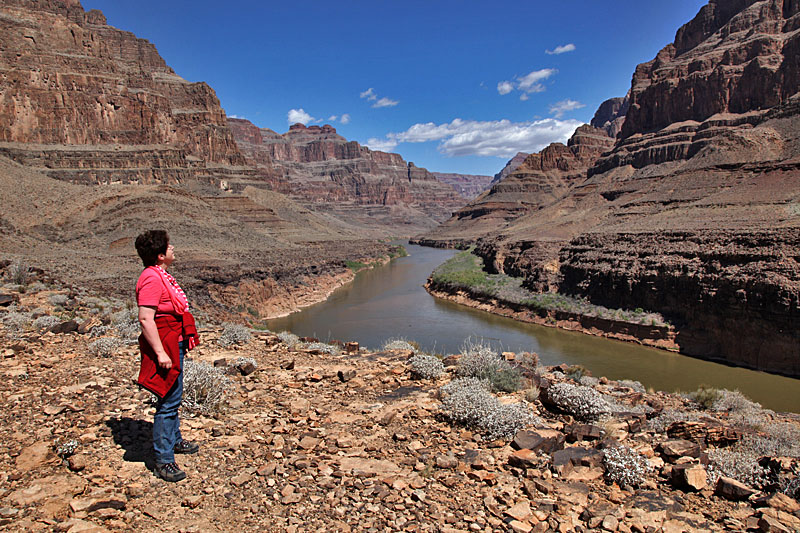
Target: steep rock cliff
71	82
347	180
695	211
469	186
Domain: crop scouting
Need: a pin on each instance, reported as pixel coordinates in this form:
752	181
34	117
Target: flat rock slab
34	456
730	489
368	466
543	440
47	488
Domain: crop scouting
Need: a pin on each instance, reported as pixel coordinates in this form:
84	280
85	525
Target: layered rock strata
469	186
350	181
70	81
694	212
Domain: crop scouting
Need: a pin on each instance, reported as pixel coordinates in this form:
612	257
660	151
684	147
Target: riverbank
462	280
266	299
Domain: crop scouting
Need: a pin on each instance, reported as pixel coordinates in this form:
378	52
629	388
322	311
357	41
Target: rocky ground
312	438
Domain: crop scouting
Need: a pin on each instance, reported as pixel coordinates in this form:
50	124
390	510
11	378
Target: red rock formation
70	80
348	180
470	186
694	211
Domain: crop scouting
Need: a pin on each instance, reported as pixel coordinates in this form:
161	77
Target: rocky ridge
331	174
327	438
693	211
470	186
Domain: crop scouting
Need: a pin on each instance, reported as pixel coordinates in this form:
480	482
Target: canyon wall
363	187
469	186
694	211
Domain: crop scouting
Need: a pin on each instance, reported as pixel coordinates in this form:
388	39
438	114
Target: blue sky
454	86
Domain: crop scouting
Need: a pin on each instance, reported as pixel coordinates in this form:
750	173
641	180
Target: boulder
543	440
730	489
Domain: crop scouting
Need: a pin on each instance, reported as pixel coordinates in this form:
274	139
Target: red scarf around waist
170	327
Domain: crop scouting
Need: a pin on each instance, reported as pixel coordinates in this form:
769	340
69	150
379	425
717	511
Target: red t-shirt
151	292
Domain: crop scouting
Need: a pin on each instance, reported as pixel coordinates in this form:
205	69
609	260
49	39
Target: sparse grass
355	266
705	397
466	271
19	272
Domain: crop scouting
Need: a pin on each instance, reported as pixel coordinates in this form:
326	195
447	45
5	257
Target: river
390	302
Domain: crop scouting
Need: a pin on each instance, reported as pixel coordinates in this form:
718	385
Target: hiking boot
186	446
169	472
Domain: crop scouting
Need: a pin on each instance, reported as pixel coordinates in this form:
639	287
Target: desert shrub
105	346
234	334
636	386
400	344
583	403
99	331
288	338
19	272
532	394
37	286
479	360
576	372
204	387
467	401
66	449
733	401
58	299
426	366
126	324
625	466
589	381
321	347
45	322
741	461
528	362
704	397
16	322
663	421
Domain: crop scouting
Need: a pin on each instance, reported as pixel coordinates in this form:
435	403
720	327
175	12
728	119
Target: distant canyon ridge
682	197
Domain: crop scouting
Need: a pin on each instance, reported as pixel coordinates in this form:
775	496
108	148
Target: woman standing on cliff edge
168	331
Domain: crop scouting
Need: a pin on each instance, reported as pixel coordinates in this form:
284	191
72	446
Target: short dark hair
151	243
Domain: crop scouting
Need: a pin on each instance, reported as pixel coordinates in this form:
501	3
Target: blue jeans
166	424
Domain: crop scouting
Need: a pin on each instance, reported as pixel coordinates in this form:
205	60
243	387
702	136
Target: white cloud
385	102
559	108
371	96
383	145
505	87
236	116
345	119
530	82
561	49
299	115
332	118
527	84
498	138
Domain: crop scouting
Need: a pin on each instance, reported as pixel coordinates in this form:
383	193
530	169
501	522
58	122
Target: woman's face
165	260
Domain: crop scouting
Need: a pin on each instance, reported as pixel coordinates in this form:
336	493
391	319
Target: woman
168	330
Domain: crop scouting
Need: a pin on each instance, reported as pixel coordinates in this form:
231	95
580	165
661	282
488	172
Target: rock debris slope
313	437
695	210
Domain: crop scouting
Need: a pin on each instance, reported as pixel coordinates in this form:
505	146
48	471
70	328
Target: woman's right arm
147	319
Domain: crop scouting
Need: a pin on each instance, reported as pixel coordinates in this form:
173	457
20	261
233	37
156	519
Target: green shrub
705	397
479	360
